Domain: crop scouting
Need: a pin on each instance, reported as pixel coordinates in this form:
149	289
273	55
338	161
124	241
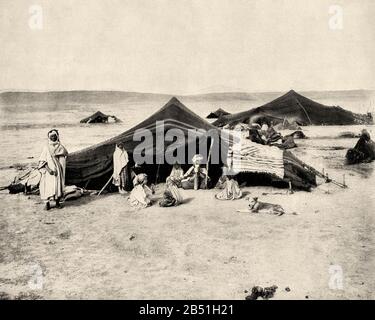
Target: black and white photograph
187	150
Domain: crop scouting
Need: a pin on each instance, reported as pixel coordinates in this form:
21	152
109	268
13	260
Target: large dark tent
98	117
92	167
297	108
217	114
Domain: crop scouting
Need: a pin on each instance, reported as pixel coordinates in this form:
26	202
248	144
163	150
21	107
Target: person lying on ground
287	142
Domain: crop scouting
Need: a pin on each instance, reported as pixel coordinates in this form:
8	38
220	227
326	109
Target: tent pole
105	186
208	160
87	183
157	174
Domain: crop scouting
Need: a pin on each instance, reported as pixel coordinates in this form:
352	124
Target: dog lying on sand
256	206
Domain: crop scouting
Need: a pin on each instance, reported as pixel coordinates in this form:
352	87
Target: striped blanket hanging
248	156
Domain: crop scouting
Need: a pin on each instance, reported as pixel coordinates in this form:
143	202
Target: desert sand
99	247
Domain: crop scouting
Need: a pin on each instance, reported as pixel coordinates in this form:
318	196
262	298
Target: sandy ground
99	247
203	249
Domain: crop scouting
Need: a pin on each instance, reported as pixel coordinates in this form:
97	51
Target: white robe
120	161
52	186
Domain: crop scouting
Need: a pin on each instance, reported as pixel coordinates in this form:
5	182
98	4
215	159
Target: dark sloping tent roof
94	164
98	116
217	114
295	107
96	161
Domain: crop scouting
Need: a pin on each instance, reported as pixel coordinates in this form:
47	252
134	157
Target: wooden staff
105	186
208	160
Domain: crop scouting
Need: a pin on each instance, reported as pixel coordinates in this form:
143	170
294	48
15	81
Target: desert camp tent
217	114
297	108
92	167
98	117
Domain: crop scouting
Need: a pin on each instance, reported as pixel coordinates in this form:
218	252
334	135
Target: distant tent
217	114
297	108
92	167
99	117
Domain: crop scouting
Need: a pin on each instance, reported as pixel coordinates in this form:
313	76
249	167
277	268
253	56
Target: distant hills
327	109
74	97
112	97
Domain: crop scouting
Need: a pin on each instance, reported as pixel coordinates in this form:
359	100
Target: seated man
196	177
140	196
255	136
231	190
363	151
177	174
272	135
171	195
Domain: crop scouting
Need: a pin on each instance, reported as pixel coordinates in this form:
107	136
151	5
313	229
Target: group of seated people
267	135
196	177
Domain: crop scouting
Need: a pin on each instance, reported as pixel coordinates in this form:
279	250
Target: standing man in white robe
52	165
121	172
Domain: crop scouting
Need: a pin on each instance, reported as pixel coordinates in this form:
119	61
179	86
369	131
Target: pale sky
177	46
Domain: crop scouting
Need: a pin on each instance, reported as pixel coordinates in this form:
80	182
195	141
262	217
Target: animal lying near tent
256	206
27	182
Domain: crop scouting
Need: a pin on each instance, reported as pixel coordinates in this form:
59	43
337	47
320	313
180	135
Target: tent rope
307	115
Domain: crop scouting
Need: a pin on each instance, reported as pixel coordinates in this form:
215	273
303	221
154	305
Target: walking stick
105	186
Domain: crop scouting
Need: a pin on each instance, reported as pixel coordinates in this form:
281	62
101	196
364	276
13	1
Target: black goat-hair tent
98	117
92	167
293	106
217	114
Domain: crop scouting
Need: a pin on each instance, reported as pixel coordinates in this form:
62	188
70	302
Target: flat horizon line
174	94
